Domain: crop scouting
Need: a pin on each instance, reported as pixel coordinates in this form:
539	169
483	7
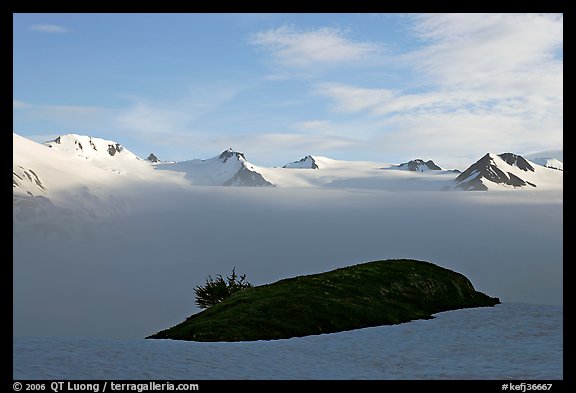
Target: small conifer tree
219	289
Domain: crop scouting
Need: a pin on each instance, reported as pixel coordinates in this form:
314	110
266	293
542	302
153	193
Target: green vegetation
369	294
219	289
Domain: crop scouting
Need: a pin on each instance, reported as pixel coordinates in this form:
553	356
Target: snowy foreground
510	341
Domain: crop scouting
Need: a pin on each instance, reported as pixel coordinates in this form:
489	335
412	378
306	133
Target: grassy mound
369	294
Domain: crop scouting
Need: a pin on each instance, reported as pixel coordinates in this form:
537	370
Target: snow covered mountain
319	162
90	148
77	176
230	168
307	162
550	159
26	181
153	158
557	154
552	163
330	173
97	176
71	161
506	170
419	165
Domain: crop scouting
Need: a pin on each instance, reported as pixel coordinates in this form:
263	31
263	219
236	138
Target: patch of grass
370	294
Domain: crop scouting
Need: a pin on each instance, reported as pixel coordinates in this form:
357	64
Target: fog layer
134	274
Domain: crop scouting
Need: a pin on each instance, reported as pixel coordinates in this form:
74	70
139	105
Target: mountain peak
419	165
307	162
505	169
88	147
153	158
516	160
229	153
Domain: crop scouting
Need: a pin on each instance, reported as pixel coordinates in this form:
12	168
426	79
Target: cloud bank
294	47
133	275
49	29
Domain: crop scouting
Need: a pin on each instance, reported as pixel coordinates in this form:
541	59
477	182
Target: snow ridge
229	168
90	148
91	166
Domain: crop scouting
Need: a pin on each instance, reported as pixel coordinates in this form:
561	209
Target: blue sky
382	87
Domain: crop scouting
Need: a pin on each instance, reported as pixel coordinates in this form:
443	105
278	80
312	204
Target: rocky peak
487	169
516	160
113	149
419	165
153	158
306	162
229	153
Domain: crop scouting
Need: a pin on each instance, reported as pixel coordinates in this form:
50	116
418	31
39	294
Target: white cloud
303	48
458	139
270	145
68	112
57	119
50	29
313	125
485	83
491	51
355	99
159	119
18	104
148	118
380	102
471	60
59	112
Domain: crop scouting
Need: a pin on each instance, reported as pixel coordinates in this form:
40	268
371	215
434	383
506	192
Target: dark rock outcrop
153	158
228	154
516	160
113	149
